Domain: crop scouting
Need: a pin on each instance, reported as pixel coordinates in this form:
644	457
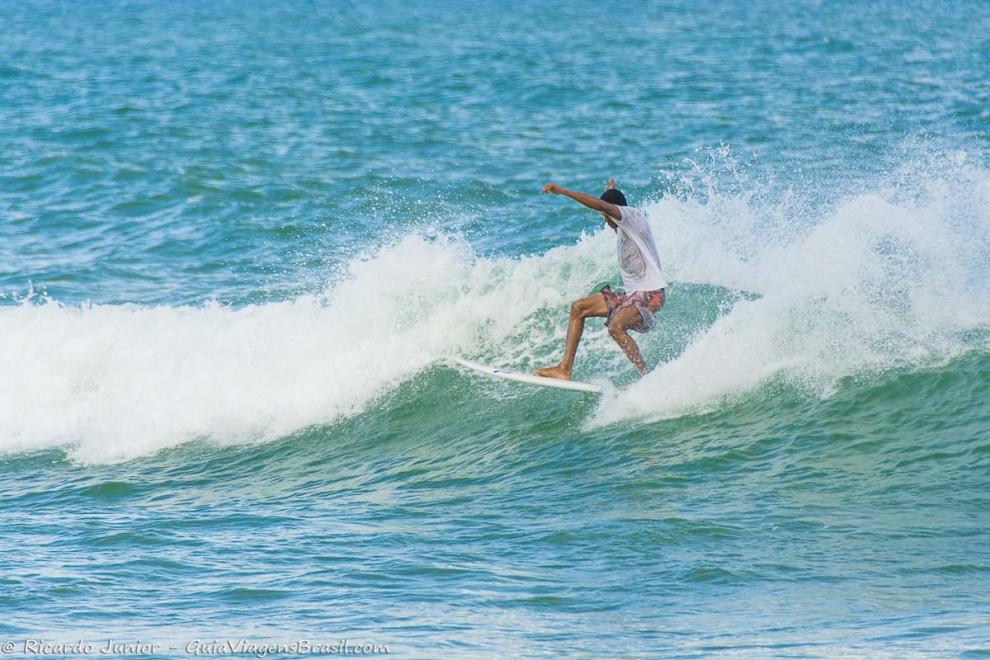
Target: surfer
642	277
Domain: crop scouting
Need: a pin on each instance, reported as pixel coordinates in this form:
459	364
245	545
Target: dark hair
614	196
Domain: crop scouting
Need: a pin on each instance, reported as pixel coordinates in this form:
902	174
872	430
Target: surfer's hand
551	188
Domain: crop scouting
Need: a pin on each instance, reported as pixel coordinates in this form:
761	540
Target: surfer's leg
626	318
593	305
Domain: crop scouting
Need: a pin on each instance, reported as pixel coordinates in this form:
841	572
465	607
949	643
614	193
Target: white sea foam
881	282
111	382
874	283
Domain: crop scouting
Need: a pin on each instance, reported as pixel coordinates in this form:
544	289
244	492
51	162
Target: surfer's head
614	196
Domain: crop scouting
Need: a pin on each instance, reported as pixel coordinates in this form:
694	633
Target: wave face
238	241
881	283
885	281
88	377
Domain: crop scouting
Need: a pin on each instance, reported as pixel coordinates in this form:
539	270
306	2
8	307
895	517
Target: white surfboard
529	378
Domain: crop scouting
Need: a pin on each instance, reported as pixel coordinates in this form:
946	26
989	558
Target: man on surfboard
642	278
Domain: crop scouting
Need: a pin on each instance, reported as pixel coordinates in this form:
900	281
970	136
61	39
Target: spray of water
880	281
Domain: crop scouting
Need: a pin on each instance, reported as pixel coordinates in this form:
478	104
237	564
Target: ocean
239	243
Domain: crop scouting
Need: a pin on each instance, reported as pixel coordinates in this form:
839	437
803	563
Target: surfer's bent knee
580	309
585	307
616	329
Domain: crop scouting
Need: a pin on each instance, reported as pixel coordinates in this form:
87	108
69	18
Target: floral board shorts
646	302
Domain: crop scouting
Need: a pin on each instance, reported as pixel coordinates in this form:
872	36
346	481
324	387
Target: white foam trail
873	285
114	382
877	283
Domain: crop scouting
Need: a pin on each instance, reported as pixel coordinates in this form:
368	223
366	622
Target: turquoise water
238	241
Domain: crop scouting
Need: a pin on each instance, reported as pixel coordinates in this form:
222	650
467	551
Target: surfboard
530	379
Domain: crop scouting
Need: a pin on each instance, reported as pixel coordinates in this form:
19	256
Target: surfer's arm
593	203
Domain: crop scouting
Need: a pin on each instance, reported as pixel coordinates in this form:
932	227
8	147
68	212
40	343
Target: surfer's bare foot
554	372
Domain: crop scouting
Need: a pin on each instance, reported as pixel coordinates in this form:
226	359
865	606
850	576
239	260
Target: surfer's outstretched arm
593	203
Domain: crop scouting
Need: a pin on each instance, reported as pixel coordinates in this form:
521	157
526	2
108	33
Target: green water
238	243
